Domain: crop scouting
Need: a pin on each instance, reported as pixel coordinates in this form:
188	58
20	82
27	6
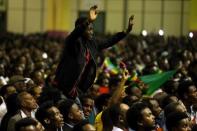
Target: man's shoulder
16	117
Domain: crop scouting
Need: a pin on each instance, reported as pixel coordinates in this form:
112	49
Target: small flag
110	67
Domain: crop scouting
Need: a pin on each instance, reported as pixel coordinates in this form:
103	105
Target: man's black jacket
72	71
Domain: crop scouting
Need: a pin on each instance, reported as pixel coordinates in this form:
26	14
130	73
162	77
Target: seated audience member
28	124
12	109
27	106
35	92
84	126
113	117
71	112
168	99
87	106
7	90
174	106
156	110
178	121
140	118
187	92
50	117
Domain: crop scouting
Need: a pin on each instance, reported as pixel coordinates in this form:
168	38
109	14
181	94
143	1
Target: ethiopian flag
155	81
110	67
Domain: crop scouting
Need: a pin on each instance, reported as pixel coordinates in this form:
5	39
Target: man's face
75	114
56	118
155	107
87	107
88	34
192	94
29	102
148	119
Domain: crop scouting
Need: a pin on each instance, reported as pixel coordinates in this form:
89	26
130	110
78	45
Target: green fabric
154	81
110	66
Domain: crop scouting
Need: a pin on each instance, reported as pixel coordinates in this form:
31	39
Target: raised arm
117	37
120	91
81	25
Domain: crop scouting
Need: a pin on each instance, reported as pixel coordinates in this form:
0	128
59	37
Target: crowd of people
31	101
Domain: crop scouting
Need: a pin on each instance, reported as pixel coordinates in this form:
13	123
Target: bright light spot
161	32
44	55
191	34
144	33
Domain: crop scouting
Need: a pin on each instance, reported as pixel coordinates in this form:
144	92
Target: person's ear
23	104
47	121
121	118
70	116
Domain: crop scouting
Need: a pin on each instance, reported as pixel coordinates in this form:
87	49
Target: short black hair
83	98
80	21
173	119
170	108
184	88
101	101
115	113
42	112
12	103
64	107
24	123
167	100
133	115
3	89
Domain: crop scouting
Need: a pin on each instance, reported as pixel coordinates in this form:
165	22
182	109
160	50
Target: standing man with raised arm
77	67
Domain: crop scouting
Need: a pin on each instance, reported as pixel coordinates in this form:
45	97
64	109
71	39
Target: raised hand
130	24
125	74
93	12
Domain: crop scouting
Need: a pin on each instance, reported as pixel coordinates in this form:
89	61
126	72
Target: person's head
178	121
26	101
38	77
187	92
94	91
170	87
49	115
133	90
153	105
123	110
89	29
139	116
174	106
7	90
27	124
192	70
35	91
50	94
168	99
87	105
84	126
130	99
115	114
11	104
102	101
70	111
